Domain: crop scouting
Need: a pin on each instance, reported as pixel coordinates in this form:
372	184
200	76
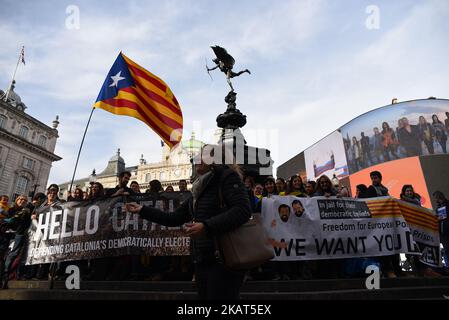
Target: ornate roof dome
117	157
192	144
115	166
14	99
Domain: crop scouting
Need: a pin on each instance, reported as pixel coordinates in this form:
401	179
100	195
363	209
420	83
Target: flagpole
14	76
79	151
54	265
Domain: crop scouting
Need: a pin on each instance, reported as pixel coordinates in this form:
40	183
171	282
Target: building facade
26	149
175	165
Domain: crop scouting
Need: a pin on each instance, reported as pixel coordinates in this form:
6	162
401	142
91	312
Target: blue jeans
19	241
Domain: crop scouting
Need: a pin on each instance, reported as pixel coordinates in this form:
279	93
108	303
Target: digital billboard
397	131
326	157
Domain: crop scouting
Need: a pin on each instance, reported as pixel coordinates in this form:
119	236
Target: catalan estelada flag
130	90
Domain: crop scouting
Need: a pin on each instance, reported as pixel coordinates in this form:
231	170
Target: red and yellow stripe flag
130	90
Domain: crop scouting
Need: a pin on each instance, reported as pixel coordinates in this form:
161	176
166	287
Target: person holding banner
30	271
122	187
20	220
78	195
205	218
409	195
442	211
270	188
96	191
361	191
51	201
4	208
135	187
295	187
389	264
324	187
377	189
182	185
326	268
281	185
310	188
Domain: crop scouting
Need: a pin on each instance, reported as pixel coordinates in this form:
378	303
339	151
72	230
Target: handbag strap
222	203
223	177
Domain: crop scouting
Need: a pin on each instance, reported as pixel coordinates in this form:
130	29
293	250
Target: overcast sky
315	65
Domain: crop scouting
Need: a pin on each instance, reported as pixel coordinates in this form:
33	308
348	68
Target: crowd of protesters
391	266
16	218
406	140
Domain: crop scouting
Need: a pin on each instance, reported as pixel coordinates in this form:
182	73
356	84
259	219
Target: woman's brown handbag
247	246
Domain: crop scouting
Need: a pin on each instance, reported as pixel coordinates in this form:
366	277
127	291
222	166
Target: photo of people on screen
408	136
297	208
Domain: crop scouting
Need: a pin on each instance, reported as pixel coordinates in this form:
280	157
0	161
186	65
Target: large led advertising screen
397	131
326	157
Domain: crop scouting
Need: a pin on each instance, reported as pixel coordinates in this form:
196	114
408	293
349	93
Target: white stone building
175	165
26	149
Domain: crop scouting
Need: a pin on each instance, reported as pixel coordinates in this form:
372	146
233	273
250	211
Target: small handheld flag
130	90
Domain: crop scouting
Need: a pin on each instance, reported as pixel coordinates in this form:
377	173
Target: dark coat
372	192
21	219
332	192
208	210
444	227
110	192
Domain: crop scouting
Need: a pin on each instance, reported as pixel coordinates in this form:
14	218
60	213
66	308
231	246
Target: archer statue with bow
225	62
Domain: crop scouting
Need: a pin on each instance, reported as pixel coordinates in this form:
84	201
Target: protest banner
78	230
334	228
298	228
424	225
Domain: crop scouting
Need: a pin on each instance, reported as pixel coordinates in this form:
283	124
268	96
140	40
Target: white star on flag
116	79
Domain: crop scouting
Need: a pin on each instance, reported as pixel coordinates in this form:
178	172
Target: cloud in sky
314	66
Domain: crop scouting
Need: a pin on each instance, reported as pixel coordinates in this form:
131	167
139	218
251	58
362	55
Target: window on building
148	177
42	141
2	121
22	184
23	131
162	176
28	163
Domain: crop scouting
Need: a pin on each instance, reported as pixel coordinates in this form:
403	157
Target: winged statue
225	62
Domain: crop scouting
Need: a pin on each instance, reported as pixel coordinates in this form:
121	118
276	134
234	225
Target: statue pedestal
255	162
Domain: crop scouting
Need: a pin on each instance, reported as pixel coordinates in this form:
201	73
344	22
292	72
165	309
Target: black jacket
21	219
372	192
110	192
444	226
217	220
